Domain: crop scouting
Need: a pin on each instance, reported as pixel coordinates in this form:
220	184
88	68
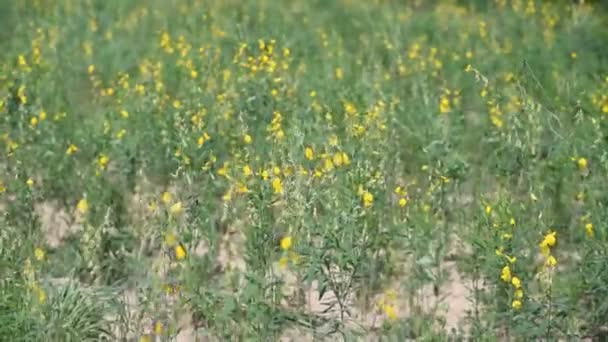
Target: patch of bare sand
56	223
231	250
308	299
450	302
139	201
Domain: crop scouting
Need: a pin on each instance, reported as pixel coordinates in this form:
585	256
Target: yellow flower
247	139
145	338
589	229
277	186
121	134
328	164
223	171
505	274
551	261
519	293
582	164
544	249
39	254
170	239
367	198
82	206
176	209
33	121
339	73
402	202
42	115
21	60
103	161
29	182
227	196
516	282
242	188
286	243
2	187
171	289
71	149
39	292
21	95
390	311
550	239
41	295
358	130
166	197
516	304
345	159
338	159
309	154
158	328
444	105
180	252
247	171
350	108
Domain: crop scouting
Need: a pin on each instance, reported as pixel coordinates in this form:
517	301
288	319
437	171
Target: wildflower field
374	170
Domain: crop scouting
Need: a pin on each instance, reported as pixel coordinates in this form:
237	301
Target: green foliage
262	170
